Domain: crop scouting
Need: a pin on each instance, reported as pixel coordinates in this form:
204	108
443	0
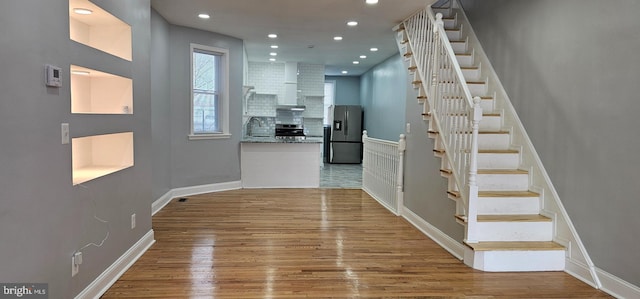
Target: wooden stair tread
502	171
510	246
508	218
408	54
416	82
500	193
495	151
411	68
513	218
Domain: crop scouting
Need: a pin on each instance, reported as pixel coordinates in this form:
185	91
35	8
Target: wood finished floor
311	243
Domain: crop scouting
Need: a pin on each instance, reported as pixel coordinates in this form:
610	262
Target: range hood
290	84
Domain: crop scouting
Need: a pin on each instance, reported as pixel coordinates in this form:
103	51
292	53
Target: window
209	93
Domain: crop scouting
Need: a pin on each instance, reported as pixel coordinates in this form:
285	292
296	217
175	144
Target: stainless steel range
290	132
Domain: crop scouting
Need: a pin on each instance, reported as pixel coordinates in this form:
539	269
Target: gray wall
43	218
392	102
347	89
201	162
160	106
425	191
382	95
571	70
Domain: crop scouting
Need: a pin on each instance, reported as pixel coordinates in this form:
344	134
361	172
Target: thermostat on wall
52	76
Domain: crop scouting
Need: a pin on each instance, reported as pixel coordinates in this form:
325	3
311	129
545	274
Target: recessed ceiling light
363	56
337	38
371	1
273	54
82	11
204	16
272	35
352	23
274	46
373	49
345	72
83	73
272	59
356	62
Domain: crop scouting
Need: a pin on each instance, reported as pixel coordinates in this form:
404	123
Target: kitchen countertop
272	139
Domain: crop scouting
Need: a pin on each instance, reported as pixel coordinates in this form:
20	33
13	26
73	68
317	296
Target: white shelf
100	29
100	155
96	92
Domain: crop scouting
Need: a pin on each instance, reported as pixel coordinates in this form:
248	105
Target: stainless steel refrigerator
345	144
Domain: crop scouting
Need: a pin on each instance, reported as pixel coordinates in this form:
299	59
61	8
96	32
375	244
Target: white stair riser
449	23
478	89
487	106
514	231
498	160
465	60
454	34
508	205
491	123
503	182
493	141
471	74
512	261
459	47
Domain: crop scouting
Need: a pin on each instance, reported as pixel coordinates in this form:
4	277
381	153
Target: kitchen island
267	162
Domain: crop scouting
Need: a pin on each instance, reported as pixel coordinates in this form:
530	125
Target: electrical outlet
133	221
64	131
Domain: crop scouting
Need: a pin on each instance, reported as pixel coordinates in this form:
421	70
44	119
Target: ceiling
305	28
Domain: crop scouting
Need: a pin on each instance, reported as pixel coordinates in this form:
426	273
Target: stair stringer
577	260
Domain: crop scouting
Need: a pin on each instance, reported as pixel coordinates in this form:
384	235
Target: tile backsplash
268	82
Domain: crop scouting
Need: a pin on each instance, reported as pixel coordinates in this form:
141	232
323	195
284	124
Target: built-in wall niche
99	155
93	26
97	92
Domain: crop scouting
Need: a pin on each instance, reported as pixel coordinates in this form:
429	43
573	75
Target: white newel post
402	146
365	158
472	186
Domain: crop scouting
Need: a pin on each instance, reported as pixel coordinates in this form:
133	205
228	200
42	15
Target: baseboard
617	287
446	242
159	203
104	281
580	271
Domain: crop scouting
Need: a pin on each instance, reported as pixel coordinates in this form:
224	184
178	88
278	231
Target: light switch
408	128
64	130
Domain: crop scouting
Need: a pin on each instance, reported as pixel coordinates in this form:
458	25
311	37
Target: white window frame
223	104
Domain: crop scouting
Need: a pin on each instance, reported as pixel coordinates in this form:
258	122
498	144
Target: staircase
505	229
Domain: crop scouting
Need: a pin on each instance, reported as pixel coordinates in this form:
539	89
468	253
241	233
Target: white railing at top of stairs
456	114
